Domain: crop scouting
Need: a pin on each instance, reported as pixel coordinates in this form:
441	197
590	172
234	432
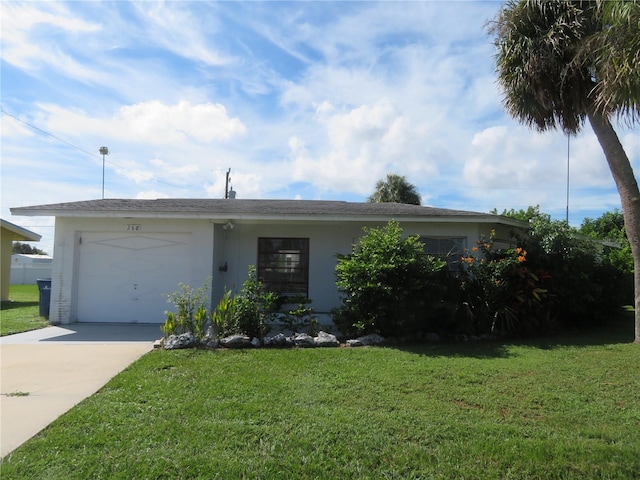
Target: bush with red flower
499	294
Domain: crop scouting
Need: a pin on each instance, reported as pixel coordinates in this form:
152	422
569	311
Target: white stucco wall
325	242
212	247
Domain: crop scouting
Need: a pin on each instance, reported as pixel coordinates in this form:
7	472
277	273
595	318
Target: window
283	266
452	249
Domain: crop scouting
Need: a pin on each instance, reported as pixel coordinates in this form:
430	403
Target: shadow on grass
477	350
616	332
11	304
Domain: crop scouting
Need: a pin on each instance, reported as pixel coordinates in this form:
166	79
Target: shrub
583	284
500	294
224	315
300	319
191	311
389	284
618	261
255	308
589	281
170	326
610	226
200	318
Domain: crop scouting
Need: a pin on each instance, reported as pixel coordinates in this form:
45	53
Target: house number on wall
134	227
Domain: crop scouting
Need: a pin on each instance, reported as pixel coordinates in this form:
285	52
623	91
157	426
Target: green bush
555	277
300	318
254	307
190	310
389	284
617	261
500	294
170	326
249	312
583	283
224	316
589	281
610	226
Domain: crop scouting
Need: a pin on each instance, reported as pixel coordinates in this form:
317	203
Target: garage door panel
138	242
125	278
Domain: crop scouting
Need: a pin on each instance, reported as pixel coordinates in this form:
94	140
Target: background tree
26	249
395	189
588	281
610	226
554	65
527	215
585	287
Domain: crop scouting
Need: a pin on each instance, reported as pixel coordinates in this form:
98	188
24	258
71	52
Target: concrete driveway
46	372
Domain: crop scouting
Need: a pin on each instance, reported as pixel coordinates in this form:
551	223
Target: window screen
283	266
450	248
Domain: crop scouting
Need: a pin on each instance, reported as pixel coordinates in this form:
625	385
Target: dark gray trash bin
44	286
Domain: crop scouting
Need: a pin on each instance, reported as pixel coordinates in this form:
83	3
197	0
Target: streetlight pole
103	151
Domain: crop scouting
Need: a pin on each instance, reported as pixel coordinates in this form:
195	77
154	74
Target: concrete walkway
44	373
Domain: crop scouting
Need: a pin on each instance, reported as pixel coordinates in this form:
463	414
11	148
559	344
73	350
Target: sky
300	100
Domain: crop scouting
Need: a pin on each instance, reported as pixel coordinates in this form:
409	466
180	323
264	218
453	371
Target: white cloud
12	128
172	170
182	32
513	167
137	175
20	35
504	157
156	122
362	144
151	195
246	185
587	163
150	122
631	143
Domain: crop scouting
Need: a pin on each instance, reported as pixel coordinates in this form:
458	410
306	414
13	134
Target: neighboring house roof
244	209
30	258
17	233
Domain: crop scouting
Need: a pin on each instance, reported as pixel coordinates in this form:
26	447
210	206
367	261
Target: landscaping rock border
290	339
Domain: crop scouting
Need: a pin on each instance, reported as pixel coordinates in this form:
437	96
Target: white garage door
124	278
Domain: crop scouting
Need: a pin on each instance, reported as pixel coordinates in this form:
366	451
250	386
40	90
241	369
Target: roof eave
19	233
319	217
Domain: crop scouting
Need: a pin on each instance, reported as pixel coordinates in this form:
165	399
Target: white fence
25	273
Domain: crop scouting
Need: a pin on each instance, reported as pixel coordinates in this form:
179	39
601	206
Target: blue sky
301	100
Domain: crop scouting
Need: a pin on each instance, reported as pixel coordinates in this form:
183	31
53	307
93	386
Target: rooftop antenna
226	185
103	151
568	152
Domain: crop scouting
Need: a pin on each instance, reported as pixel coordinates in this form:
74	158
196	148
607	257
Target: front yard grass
21	312
562	408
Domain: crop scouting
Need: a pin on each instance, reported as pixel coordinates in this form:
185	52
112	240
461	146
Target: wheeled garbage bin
44	286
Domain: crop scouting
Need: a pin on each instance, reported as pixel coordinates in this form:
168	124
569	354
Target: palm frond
536	43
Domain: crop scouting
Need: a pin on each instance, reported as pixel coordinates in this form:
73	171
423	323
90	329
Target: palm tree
555	71
395	189
619	81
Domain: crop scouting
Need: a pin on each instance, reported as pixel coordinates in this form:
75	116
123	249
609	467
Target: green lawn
558	408
21	312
